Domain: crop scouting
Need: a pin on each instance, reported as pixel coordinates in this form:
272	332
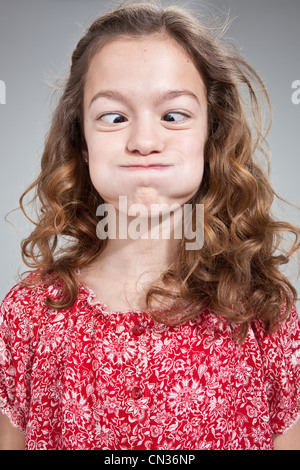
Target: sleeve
16	355
281	362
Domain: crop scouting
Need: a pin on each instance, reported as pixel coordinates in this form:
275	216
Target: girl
136	342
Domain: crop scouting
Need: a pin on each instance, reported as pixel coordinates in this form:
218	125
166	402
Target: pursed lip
150	166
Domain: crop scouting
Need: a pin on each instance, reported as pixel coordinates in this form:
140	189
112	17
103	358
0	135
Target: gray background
37	38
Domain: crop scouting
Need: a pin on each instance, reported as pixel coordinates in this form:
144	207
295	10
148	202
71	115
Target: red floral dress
86	378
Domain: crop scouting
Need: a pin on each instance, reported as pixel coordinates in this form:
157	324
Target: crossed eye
113	118
117	118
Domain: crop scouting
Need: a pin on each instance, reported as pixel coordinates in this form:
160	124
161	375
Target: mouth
146	167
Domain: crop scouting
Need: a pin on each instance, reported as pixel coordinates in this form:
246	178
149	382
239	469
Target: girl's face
145	122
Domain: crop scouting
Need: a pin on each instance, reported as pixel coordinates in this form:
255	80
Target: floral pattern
87	378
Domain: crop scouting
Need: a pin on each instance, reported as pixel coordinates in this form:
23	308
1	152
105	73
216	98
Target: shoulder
25	304
281	349
34	289
286	336
23	316
280	355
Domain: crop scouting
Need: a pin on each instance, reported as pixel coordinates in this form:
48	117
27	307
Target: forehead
145	63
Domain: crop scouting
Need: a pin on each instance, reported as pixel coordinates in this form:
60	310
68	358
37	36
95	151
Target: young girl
136	342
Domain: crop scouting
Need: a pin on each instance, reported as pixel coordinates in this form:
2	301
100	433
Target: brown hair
236	273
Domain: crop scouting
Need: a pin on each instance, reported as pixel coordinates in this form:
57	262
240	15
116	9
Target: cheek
194	164
96	150
193	154
104	149
96	162
190	142
103	176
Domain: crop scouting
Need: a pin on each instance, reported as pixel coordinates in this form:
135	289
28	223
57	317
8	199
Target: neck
134	257
128	267
136	244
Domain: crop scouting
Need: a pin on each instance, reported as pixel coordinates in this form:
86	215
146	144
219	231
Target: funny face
145	122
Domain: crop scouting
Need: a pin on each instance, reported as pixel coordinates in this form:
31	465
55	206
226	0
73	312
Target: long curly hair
236	274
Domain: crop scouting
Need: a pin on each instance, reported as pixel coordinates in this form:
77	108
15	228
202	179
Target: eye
112	118
175	116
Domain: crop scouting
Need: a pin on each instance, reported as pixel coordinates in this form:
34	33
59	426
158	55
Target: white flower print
186	396
76	408
119	349
2	351
136	408
243	373
218	406
105	435
52	337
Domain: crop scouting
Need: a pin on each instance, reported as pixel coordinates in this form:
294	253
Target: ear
85	155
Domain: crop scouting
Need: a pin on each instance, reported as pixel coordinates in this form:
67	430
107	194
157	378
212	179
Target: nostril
145	141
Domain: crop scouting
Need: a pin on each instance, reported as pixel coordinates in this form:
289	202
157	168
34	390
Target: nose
146	137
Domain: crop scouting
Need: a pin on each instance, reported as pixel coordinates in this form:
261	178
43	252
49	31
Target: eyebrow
164	96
